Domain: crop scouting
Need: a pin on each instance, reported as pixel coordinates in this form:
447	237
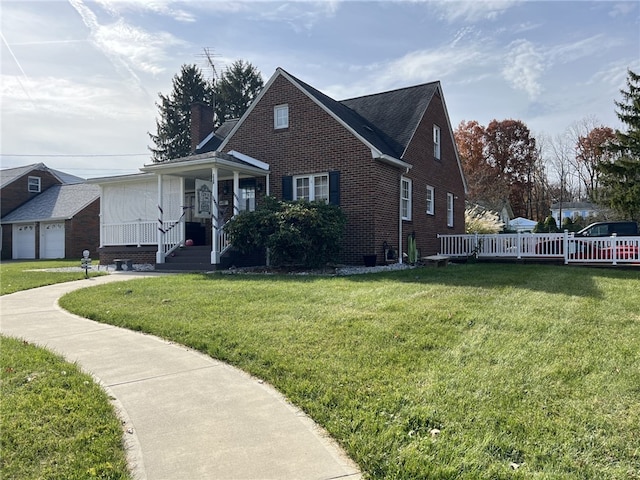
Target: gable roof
364	130
396	113
59	202
385	122
8	175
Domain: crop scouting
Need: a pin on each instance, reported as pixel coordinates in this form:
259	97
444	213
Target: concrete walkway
188	416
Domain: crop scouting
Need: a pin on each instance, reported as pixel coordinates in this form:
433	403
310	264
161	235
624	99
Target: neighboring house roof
59	202
8	175
574	205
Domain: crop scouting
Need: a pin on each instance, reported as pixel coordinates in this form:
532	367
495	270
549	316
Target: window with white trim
436	142
33	185
281	116
311	187
405	199
430	200
450	209
247	196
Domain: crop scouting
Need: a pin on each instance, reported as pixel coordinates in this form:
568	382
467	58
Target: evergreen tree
173	137
238	85
621	177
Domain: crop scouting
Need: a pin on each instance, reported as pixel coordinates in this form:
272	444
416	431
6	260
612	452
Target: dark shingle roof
396	113
56	203
387	120
8	175
218	136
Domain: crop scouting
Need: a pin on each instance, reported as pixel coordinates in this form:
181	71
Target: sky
80	79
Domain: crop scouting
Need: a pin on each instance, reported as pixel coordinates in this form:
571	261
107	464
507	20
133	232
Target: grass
55	423
526	371
23	275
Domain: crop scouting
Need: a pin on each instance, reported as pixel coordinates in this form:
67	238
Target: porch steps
188	259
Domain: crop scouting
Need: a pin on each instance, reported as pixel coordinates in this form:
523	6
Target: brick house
388	160
47	213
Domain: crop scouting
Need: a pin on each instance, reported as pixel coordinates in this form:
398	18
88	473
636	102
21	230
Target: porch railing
142	233
564	246
146	233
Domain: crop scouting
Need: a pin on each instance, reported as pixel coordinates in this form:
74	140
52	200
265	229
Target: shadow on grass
566	280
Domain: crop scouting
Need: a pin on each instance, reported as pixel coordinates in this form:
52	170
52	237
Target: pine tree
238	85
621	178
173	137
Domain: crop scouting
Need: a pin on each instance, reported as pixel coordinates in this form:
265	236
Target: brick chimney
201	123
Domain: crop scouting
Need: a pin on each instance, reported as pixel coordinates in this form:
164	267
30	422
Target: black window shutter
334	188
287	188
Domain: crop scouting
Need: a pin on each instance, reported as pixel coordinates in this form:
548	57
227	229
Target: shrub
478	220
296	233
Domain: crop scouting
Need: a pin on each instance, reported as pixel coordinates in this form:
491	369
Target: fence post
614	248
565	246
519	245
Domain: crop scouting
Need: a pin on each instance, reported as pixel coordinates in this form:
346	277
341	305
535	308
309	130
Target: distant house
521	224
47	213
572	210
388	160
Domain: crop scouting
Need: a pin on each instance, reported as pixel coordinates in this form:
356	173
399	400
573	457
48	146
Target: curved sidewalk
190	416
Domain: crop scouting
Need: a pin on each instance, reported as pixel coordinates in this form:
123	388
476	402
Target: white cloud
64	97
524	67
160	7
472	11
130	49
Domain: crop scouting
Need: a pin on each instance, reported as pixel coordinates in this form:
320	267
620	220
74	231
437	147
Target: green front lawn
23	275
467	372
55	423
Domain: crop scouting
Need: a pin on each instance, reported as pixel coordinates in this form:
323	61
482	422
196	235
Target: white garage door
52	240
24	241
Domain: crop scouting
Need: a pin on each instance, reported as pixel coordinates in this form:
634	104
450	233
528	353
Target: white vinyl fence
562	246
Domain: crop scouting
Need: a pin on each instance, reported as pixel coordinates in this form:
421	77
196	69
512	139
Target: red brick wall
82	232
7	243
443	175
17	192
369	189
316	143
139	255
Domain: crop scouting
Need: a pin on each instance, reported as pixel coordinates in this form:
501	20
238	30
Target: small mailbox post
86	263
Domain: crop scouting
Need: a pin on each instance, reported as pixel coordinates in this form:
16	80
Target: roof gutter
383	157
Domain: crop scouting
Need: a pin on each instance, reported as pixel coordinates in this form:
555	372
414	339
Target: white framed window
430	200
311	187
33	184
281	116
247	197
436	142
405	199
450	209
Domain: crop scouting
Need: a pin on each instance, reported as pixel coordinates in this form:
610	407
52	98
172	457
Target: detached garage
59	223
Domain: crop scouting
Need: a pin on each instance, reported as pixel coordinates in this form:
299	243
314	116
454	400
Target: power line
75	155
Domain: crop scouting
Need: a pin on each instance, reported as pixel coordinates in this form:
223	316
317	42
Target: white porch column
183	222
215	222
100	215
160	252
236	193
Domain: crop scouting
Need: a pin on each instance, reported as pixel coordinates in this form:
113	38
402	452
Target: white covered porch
156	206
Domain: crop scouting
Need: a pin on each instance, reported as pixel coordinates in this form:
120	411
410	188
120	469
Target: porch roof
200	165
